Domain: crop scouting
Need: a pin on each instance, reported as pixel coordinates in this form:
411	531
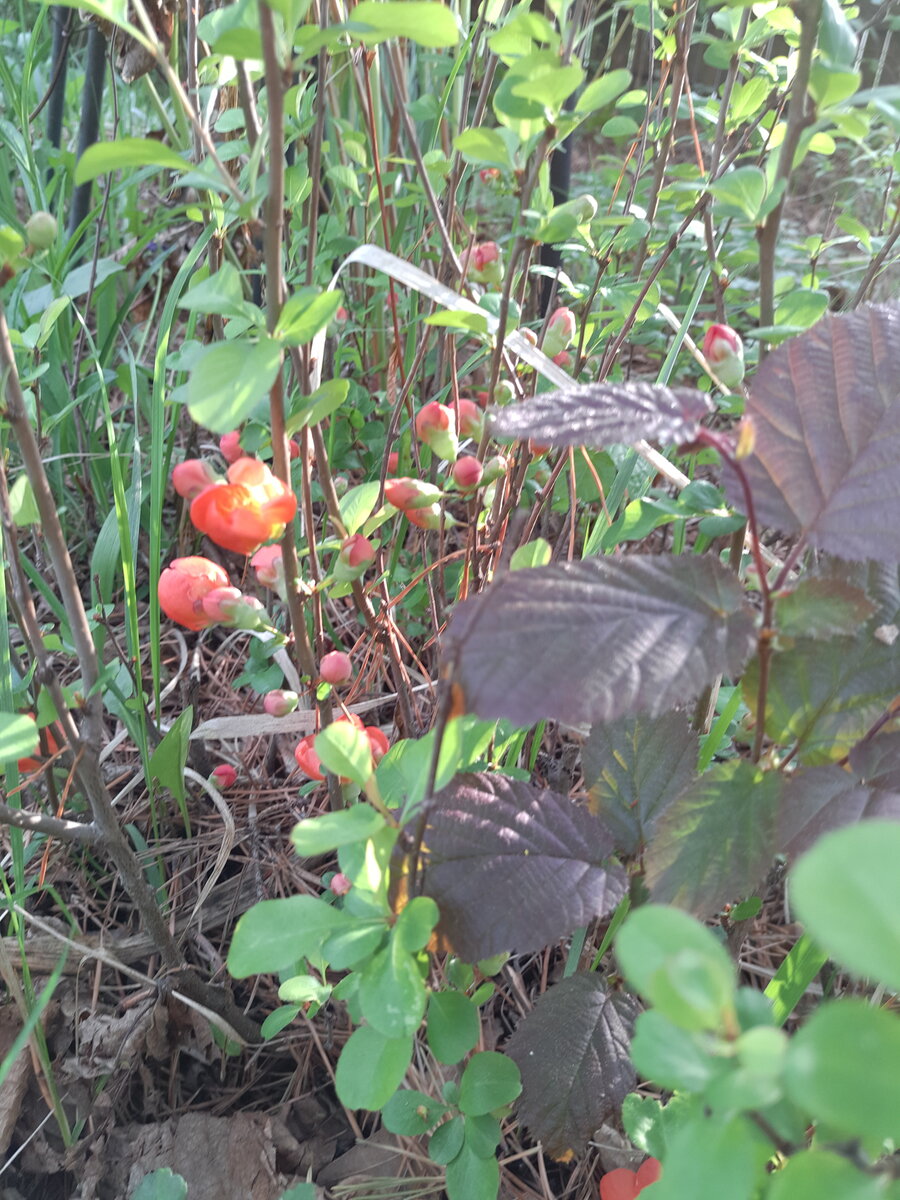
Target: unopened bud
224	776
336	667
280	703
436	426
724	351
230	446
467	472
193	476
471	420
41	230
560	332
355	557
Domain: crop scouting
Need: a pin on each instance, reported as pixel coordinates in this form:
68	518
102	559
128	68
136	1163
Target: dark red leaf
572	1052
595	640
605	414
826	412
513	866
824	798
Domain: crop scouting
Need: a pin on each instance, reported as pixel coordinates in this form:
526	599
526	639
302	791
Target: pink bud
436	426
280	703
193	476
563	359
336	667
494	468
490	174
269	567
293	449
430	517
224	775
405	493
484	263
342	316
467	472
356	555
560	332
340	884
724	351
230	446
229	606
393	462
471	420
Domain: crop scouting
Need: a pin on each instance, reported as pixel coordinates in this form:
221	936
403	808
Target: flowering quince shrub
251	508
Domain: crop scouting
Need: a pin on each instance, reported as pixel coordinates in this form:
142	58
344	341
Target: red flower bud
467	472
355	557
623	1184
560	332
393	462
280	703
252	508
224	776
490	174
230	446
405	493
484	263
193	476
229	606
308	761
336	667
268	564
436	426
471	420
340	884
724	351
294	449
182	587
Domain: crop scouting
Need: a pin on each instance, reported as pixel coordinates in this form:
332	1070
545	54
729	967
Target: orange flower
623	1184
48	744
184	583
252	508
309	763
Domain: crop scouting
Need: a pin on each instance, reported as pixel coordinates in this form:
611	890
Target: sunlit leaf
513	866
598	639
605	414
126	152
821	799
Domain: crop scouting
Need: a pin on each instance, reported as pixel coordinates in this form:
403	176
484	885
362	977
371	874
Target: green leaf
220	293
740	193
358	504
602	91
452	1026
325	400
103	157
471	1177
651	1125
484	147
352	947
457	319
163	1184
415	924
278	1020
320	835
410	1113
817	1174
371	1068
168	760
843	1067
483	1135
305	313
533	554
801	308
427	24
229	379
233	30
829	87
673	1058
544	82
797	971
846	891
345	751
22	503
837	43
303	989
822	606
447	1140
11	244
274	935
733	1152
678	965
18	737
490	1081
392	992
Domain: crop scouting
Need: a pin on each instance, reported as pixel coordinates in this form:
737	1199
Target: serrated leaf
821	799
824	695
633	770
716	842
826	412
573	1052
599	639
513	866
822	607
846	891
605	414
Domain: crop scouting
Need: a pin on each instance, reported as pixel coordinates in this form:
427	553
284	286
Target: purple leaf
633	769
572	1052
605	414
513	866
599	639
824	798
826	411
